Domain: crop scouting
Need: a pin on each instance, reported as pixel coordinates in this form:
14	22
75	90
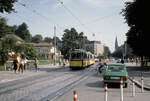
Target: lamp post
54	45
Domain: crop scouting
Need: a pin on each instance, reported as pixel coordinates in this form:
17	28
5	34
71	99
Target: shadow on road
97	84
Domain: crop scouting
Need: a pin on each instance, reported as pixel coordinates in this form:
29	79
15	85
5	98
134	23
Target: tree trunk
142	62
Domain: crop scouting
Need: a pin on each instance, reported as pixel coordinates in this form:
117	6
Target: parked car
114	72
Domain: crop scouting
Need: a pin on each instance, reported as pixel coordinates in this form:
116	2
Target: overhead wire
42	16
74	16
80	22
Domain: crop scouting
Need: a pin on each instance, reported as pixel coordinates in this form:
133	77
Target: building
17	38
46	50
97	48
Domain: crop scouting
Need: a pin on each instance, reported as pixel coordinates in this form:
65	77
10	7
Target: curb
146	86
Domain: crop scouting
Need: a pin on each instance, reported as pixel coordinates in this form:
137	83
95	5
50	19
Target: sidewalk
7	76
136	71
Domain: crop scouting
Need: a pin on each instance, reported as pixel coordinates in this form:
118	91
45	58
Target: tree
48	39
58	42
37	38
137	18
118	53
6	5
72	40
7	46
4	28
23	32
106	52
26	50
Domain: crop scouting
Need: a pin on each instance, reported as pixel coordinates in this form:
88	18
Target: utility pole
54	45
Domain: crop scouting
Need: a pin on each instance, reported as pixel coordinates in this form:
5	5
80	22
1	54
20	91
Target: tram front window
75	56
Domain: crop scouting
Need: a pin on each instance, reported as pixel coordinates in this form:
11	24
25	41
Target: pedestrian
122	61
64	63
18	61
100	68
136	61
132	60
36	64
25	63
21	68
15	66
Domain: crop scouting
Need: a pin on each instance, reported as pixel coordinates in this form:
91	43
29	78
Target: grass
2	68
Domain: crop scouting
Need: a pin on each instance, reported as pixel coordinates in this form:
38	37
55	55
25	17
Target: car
96	60
114	72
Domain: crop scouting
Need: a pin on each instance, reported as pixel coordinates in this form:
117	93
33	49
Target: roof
41	44
13	36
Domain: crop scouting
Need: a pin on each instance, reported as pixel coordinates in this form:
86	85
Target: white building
98	48
46	50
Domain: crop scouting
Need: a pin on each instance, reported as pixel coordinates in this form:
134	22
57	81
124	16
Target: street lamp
54	45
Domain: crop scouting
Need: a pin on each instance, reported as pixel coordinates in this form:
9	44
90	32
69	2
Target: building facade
46	50
97	48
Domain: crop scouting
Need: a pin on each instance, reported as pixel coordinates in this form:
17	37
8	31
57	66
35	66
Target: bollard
142	84
121	89
106	94
133	87
75	95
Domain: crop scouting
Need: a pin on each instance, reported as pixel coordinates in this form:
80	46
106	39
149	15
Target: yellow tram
80	58
91	59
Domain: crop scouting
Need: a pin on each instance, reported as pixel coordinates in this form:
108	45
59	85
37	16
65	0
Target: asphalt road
92	89
59	84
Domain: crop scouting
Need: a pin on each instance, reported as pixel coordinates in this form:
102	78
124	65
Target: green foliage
6	5
71	40
106	52
27	51
23	32
4	27
48	39
58	42
118	53
37	38
2	68
137	18
7	46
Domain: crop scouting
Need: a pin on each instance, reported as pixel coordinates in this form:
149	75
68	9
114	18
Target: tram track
48	86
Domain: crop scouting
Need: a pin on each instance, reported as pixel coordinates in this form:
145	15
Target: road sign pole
133	87
142	84
121	89
75	95
106	93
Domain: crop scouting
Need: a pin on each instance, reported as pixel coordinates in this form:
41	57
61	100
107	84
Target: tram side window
85	56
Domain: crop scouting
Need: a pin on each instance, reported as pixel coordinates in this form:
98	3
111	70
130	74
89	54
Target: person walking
15	66
36	64
21	68
25	63
122	61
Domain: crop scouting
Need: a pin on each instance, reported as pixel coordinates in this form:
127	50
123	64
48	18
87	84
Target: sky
99	20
